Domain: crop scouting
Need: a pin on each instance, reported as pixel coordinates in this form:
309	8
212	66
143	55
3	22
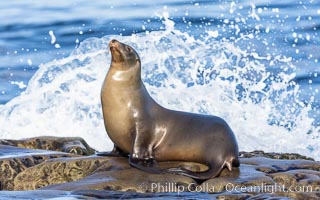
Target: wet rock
302	195
75	145
49	194
268	197
260	176
15	160
275	165
244	179
307	180
282	156
101	173
130	180
57	171
106	194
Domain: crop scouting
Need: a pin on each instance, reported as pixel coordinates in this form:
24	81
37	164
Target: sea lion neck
130	76
123	66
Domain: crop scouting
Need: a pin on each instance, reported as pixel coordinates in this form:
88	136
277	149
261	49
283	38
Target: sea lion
148	132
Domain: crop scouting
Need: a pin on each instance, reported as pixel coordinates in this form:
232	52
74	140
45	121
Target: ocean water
255	64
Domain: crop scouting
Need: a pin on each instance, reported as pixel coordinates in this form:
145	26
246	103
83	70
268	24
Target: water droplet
53	37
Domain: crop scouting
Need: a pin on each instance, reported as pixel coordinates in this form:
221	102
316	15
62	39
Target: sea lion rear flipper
213	171
115	152
147	165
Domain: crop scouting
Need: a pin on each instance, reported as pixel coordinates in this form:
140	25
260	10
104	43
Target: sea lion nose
113	43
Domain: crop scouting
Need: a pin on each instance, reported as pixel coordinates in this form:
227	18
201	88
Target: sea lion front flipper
147	165
116	152
142	156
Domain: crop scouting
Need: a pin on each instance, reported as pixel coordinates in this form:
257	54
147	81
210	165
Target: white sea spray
181	72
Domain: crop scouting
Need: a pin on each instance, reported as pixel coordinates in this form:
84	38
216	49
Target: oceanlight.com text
229	187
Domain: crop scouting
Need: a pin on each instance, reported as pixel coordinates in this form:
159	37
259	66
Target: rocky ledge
51	167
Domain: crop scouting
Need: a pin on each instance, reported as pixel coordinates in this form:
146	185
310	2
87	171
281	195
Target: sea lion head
123	56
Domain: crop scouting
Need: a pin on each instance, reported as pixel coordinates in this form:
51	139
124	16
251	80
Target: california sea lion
146	131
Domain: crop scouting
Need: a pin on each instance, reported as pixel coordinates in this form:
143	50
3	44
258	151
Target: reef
53	167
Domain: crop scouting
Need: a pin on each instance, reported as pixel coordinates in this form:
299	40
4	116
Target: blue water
289	28
283	28
262	56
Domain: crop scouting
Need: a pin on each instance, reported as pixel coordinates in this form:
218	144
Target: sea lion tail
213	171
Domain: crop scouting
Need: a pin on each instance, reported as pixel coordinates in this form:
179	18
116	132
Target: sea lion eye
128	49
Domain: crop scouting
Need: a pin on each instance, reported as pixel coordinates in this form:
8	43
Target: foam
181	72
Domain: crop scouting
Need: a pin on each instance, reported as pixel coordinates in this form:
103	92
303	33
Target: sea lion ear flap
138	62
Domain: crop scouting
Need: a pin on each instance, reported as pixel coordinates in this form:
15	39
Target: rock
297	179
106	194
75	145
15	160
94	172
283	156
273	165
307	179
246	177
28	195
57	171
61	175
129	180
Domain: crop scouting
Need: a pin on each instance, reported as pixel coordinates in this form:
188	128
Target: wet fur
148	132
